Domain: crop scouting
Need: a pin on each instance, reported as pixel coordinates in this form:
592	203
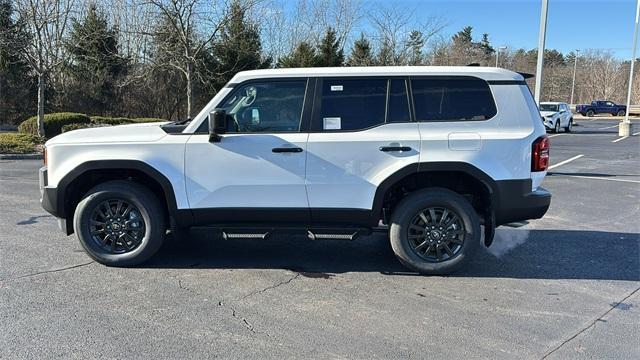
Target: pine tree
485	45
386	55
415	43
239	47
17	87
304	55
329	51
463	37
361	53
96	64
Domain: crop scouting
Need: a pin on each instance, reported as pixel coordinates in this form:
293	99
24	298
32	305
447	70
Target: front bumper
50	202
516	202
549	124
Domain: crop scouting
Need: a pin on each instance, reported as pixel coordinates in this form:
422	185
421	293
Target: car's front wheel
569	126
556	128
434	231
621	113
120	223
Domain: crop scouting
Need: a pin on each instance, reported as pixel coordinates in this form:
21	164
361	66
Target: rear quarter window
459	98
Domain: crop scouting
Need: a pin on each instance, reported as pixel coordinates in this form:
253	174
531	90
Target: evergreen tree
415	43
17	87
304	55
361	53
386	55
329	51
463	37
96	64
485	45
239	47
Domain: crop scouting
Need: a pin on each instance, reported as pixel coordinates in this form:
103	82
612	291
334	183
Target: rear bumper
516	202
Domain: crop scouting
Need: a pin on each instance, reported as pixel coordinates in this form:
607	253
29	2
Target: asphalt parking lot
565	286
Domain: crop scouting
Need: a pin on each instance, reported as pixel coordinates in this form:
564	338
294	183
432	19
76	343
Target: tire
139	220
569	126
621	113
556	128
403	226
590	113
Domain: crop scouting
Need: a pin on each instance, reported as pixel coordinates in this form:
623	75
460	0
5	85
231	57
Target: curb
21	156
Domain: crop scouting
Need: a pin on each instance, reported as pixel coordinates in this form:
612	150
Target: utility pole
498	53
541	39
625	128
575	66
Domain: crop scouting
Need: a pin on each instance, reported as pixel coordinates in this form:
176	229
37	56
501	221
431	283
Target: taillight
540	154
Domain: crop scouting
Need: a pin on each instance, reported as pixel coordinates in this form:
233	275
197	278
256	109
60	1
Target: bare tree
45	22
401	36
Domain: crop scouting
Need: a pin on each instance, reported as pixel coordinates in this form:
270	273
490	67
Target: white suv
556	115
433	155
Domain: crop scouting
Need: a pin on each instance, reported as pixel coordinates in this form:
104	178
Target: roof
486	73
551	102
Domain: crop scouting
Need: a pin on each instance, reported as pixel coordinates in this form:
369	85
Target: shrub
70	127
111	120
16	143
53	123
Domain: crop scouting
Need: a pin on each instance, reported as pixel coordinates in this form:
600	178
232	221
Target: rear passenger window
352	104
398	109
452	99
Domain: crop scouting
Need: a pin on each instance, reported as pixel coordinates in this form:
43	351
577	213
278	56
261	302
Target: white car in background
556	115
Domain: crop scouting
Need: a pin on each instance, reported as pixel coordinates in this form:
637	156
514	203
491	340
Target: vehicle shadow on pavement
530	254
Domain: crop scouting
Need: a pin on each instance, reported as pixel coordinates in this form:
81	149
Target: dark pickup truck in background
601	107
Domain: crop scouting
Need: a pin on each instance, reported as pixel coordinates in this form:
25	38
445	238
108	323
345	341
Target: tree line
167	58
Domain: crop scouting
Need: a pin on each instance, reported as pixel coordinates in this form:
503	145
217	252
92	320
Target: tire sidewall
409	207
590	113
148	211
621	113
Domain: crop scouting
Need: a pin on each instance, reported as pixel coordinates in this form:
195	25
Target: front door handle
394	148
286	150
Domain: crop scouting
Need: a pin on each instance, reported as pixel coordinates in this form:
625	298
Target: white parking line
565	162
608	127
636	134
608	179
622	138
554	135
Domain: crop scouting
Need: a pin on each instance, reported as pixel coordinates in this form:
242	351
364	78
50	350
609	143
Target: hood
548	113
145	132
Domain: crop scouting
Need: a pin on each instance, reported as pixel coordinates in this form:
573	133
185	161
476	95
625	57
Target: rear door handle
394	148
286	150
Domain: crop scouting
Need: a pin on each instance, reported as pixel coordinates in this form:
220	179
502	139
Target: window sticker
332	123
337	88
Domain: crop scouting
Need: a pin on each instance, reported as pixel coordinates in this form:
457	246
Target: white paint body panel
344	169
242	171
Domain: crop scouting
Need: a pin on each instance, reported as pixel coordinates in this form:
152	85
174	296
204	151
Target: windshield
548	107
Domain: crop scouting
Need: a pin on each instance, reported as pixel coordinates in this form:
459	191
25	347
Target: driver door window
266	107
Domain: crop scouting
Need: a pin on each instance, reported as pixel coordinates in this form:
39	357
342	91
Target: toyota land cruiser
432	155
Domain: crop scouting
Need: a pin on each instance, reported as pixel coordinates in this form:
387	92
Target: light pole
625	128
498	53
541	38
575	66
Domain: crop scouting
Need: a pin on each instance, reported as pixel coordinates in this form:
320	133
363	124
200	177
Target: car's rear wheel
120	223
569	126
621	113
590	113
434	231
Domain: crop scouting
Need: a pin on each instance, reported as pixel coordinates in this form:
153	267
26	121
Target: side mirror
217	125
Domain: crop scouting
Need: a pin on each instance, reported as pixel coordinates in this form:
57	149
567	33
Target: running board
228	235
337	234
517	224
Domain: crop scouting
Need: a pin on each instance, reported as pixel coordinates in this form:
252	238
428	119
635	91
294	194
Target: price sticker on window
332	123
336	88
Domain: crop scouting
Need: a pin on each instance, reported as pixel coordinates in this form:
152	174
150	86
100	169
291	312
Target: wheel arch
75	184
460	177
